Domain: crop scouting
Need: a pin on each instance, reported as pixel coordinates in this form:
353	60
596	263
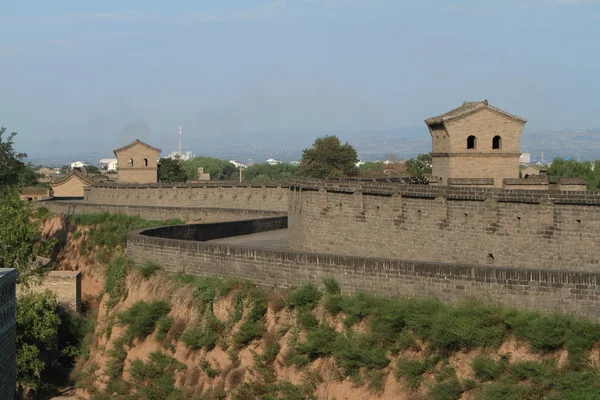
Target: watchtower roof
467	108
136	141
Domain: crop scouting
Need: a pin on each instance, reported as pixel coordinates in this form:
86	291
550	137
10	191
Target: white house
238	164
111	164
272	161
78	164
525	158
185	156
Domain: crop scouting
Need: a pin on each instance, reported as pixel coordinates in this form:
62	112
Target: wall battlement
558	230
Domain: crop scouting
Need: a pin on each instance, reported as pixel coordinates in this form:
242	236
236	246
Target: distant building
111	164
203	176
273	161
138	162
183	156
525	158
296	163
78	164
35	193
238	164
532	170
71	185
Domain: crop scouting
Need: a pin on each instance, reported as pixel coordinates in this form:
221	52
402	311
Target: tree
328	158
419	166
218	169
12	167
590	171
92	169
37	326
171	171
266	172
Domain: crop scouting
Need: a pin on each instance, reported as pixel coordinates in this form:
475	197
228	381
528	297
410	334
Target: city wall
576	293
528	229
158	213
208	195
66	286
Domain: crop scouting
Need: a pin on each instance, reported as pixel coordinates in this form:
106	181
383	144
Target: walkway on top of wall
270	240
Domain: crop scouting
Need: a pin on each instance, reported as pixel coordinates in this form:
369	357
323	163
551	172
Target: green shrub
332	286
307	320
448	390
141	319
358	306
534	371
163	325
270	353
412	370
545	333
334	304
208	370
154	379
249	331
116	272
305	297
319	342
148	269
358	351
507	390
204	337
468	326
487	369
376	379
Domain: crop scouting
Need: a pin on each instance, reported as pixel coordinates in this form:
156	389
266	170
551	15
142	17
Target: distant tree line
588	170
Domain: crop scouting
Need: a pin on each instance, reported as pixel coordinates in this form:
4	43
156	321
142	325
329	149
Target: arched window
471	142
145	162
130	163
497	143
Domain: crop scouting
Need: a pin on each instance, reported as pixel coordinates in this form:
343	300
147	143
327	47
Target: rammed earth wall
527	229
533	289
8	338
209	194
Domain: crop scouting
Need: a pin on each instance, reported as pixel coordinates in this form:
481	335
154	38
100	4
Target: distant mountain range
371	145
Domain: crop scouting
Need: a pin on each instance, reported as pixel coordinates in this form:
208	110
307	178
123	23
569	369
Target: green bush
154	379
114	285
163	325
208	370
148	269
487	369
331	286
141	319
249	331
334	304
204	337
305	297
412	370
307	320
448	390
507	390
358	351
319	342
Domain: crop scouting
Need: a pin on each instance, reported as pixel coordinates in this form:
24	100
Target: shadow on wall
220	230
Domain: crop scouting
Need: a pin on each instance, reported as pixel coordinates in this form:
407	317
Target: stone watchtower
138	162
475	140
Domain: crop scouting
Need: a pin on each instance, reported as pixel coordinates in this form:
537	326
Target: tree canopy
171	171
419	166
218	169
329	158
268	173
92	169
588	170
13	171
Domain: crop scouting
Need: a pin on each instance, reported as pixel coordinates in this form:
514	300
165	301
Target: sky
106	72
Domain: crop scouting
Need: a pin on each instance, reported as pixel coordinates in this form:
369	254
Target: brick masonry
8	333
66	285
528	229
209	194
569	292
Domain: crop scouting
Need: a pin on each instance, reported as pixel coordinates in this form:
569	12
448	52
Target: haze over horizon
104	73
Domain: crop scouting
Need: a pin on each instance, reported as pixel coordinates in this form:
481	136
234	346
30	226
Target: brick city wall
8	333
199	214
66	285
210	194
540	290
512	228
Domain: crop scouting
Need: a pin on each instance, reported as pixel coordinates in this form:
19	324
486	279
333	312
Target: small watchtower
137	162
475	140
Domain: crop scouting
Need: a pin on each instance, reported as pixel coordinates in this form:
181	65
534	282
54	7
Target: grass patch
448	390
487	369
163	325
116	271
305	297
204	337
412	370
332	286
208	370
154	379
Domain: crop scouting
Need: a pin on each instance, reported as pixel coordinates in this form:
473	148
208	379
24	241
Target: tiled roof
86	179
467	108
136	141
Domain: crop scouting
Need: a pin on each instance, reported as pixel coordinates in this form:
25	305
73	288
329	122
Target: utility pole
241	169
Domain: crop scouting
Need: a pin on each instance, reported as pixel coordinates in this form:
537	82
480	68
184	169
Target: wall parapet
533	289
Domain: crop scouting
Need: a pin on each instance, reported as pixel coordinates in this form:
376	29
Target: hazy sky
111	70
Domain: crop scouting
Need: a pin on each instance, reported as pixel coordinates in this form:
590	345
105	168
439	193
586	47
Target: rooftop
469	107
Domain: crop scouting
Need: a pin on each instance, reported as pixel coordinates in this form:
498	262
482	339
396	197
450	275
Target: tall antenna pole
180	140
